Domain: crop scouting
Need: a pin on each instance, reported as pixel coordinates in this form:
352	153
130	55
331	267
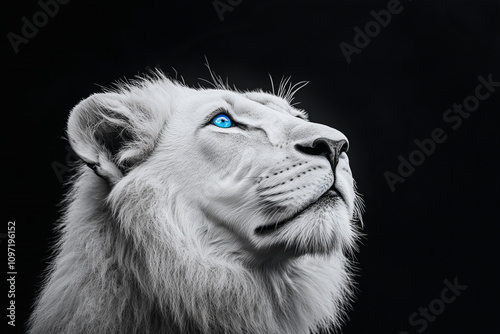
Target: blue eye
222	121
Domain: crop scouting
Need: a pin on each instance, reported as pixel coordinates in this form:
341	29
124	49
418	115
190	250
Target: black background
439	224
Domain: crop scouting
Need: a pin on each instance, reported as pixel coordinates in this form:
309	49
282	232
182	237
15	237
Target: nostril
318	148
344	147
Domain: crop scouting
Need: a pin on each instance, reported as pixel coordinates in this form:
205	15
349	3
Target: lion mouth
330	196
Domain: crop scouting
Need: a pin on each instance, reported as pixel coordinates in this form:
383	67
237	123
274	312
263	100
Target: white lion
203	211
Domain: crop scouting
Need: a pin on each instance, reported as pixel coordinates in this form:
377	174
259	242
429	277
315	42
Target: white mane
134	257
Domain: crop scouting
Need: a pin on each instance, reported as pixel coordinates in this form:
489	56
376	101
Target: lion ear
112	133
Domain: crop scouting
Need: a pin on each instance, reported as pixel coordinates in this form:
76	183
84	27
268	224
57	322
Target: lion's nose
330	148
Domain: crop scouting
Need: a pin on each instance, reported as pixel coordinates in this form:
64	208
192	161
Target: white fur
160	237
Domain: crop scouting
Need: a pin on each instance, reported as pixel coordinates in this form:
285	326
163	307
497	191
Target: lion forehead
277	103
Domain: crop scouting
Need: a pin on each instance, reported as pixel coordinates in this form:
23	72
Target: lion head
201	211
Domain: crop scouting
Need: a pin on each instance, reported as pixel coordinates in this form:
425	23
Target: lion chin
201	211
